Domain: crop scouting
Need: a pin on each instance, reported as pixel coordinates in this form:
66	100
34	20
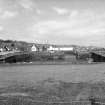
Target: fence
33	102
30	101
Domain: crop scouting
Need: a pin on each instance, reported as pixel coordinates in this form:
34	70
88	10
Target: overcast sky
79	22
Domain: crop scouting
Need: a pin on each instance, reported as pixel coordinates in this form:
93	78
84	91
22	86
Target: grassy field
36	84
50	92
66	73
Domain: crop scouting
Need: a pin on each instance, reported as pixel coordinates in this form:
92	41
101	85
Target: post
92	101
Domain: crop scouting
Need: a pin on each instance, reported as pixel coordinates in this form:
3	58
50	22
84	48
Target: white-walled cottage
33	48
60	48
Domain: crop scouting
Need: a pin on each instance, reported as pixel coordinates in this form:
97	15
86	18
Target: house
34	48
60	48
1	49
52	49
66	48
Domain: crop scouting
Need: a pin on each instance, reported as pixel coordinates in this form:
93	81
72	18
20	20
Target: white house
66	48
51	48
1	49
33	48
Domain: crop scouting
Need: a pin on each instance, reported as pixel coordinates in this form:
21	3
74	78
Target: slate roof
101	53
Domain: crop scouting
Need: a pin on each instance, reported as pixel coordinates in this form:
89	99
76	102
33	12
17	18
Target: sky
77	22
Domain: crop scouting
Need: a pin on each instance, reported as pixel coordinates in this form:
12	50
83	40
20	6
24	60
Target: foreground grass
50	91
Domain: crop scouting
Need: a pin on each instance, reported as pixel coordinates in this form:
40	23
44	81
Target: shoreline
50	63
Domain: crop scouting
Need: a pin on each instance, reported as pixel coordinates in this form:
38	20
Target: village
15	51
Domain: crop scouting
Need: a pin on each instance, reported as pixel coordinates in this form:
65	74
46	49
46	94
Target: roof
101	53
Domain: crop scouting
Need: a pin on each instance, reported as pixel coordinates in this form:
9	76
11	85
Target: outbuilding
98	56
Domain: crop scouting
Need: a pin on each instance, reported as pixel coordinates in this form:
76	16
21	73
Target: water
68	73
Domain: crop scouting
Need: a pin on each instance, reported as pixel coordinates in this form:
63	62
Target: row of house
53	48
80	54
5	49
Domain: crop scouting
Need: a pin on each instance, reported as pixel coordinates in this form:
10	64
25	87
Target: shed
98	56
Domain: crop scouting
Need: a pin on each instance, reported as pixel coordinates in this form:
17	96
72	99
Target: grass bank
50	91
